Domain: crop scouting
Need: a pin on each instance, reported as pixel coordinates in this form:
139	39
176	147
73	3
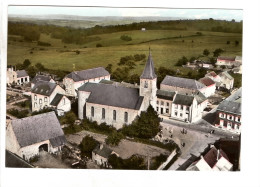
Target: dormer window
145	84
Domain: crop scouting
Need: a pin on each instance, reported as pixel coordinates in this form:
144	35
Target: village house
76	79
101	154
215	77
227	81
213	160
210	86
229	113
41	78
48	94
182	85
18	77
229	62
28	136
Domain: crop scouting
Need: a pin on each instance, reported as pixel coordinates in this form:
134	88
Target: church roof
38	128
182	82
113	95
88	74
149	72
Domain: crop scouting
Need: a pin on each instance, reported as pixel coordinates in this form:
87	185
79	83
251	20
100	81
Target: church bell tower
148	81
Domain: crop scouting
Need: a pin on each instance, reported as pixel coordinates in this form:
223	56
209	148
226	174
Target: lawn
166	46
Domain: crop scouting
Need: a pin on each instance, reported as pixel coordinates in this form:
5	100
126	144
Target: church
116	104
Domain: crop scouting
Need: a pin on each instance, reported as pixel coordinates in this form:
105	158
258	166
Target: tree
192	58
206	52
40	67
217	52
114	138
99	45
182	61
236	42
87	145
146	126
26	63
31	71
109	68
125	38
69	118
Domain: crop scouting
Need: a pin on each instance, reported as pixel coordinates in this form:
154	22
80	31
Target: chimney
101	146
218	155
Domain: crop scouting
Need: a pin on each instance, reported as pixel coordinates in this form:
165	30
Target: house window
176	106
238	119
187	108
35	97
157	108
126	117
103	113
167	110
176	113
162	103
145	84
181	107
45	99
92	111
167	104
157	102
114	115
233	126
40	101
35	105
180	114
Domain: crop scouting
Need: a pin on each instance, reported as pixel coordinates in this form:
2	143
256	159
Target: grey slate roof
226	74
162	94
21	73
104	152
230	107
38	128
149	72
39	78
14	161
236	97
88	74
183	100
200	97
44	88
56	99
113	95
182	82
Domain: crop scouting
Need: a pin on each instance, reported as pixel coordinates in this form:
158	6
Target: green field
166	45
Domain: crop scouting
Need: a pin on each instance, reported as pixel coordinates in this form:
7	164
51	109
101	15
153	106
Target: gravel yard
125	149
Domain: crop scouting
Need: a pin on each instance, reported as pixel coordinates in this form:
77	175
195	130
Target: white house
229	61
210	86
19	77
76	79
26	137
41	78
213	160
227	81
47	94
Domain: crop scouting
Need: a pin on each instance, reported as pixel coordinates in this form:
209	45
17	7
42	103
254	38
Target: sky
223	14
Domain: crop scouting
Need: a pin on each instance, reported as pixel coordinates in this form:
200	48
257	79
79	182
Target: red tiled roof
207	81
211	156
212	73
226	58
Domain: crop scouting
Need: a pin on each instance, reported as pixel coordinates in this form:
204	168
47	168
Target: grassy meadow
167	47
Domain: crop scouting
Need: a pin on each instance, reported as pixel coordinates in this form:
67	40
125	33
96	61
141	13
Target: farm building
210	86
27	136
19	77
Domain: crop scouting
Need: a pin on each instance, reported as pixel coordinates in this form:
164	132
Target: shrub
125	38
134	162
157	161
17	113
99	45
114	138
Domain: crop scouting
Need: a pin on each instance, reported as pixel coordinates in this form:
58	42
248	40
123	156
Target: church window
103	113
114	115
145	84
92	111
126	117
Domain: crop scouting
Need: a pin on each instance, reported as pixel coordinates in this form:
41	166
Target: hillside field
167	46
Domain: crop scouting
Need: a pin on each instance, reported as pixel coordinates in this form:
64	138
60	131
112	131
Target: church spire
148	72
